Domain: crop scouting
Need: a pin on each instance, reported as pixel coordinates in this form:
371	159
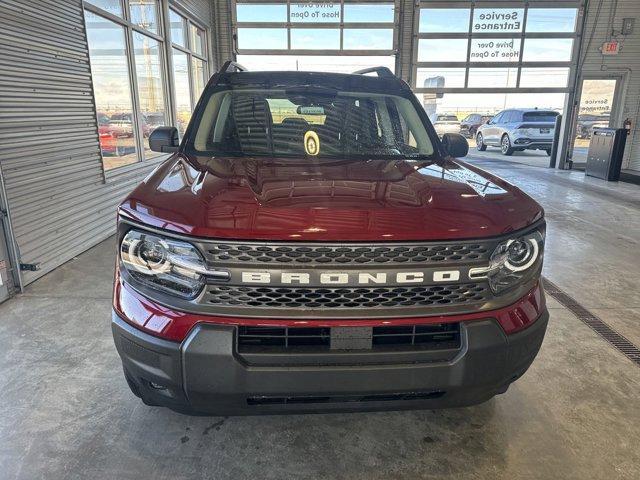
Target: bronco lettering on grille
352	278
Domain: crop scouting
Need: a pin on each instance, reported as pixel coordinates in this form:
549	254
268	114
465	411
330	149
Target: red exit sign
610	48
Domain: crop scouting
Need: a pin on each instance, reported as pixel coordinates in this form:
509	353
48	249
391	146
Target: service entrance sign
497	20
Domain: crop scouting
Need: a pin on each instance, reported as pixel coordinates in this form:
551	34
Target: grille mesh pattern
352	254
383	297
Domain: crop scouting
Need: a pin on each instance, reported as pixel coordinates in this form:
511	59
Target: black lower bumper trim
206	375
533	145
393	397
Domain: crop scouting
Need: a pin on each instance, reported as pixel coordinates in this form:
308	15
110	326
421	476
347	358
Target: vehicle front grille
438	336
347	297
244	253
268	295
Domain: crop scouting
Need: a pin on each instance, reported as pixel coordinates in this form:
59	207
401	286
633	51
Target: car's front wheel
505	146
480	146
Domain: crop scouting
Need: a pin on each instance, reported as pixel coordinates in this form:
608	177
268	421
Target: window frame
163	37
188	50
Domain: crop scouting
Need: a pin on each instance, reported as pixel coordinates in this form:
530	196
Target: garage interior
74	71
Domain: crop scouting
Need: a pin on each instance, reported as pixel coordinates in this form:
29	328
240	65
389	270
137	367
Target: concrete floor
66	412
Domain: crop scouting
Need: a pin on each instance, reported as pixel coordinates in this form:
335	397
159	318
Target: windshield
540	117
447	118
309	121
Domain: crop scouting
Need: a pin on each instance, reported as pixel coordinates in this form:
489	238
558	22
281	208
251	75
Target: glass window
182	89
112	6
110	75
544	77
498	20
261	13
370	125
539	116
262	38
319	12
493	77
440	78
197	40
199	76
368	39
151	95
498	118
547	49
315	39
178	28
495	49
446	118
317	63
442	50
509	116
124	132
551	19
596	105
144	13
368	13
597	97
444	20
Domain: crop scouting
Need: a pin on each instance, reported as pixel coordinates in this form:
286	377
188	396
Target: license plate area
351	338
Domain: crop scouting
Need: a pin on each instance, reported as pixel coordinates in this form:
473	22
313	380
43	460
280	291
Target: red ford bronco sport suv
311	245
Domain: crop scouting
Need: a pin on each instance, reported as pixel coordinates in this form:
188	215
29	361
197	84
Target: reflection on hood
266	198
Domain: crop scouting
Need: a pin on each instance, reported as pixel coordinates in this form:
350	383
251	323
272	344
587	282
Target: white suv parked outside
517	130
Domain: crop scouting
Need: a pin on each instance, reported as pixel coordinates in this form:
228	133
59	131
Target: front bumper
205	374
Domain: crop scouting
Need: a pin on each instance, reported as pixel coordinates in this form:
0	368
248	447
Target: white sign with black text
498	20
495	50
315	12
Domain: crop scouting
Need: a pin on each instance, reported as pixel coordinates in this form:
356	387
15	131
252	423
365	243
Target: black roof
384	82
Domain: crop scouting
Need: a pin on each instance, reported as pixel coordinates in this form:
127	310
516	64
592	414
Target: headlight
513	261
164	264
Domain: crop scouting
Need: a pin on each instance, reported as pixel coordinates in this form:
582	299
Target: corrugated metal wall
408	13
199	9
60	202
223	32
627	63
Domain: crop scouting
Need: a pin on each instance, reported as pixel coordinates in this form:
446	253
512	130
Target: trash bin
606	149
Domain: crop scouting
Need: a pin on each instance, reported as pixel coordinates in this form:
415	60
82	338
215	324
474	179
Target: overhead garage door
340	36
514	54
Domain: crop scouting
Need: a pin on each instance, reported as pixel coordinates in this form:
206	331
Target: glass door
596	110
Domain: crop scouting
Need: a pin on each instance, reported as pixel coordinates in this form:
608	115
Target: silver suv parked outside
517	130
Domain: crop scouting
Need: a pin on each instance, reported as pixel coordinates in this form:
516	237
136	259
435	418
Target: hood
332	200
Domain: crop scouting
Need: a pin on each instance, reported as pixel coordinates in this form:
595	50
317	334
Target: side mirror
455	145
164	140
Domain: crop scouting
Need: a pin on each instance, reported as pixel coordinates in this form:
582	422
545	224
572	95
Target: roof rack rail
381	71
231	66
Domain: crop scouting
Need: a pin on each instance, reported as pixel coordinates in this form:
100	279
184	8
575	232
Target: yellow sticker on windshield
311	143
